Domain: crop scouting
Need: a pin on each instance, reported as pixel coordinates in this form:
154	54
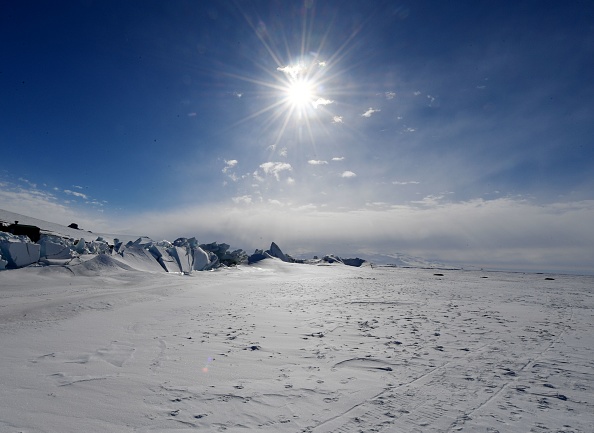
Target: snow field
283	347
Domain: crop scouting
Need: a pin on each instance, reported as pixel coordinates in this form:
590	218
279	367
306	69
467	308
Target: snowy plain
283	347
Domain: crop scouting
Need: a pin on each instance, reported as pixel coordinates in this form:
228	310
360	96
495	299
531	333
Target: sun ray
296	97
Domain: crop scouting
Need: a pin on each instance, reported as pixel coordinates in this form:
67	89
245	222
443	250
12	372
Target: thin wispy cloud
338	158
370	112
76	194
244	199
46	205
337	119
28	182
390	95
406	182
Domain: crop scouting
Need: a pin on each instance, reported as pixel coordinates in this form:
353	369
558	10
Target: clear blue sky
462	131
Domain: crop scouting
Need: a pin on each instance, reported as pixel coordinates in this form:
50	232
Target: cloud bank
504	233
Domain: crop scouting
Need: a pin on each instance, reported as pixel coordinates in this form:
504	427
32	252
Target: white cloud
76	194
283	152
293	70
348	174
28	182
244	199
370	111
44	205
430	200
275	168
316	162
390	95
291	181
338	158
337	119
322	101
417	93
229	164
406	182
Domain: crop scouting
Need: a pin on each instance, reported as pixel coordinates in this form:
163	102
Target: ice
18	251
55	247
81	247
286	347
161	253
184	258
201	260
140	258
275	251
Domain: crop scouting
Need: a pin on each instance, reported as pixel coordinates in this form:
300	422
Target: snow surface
282	347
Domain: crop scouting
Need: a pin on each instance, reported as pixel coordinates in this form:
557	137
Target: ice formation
182	256
18	251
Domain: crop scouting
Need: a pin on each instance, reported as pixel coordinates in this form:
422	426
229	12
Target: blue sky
462	132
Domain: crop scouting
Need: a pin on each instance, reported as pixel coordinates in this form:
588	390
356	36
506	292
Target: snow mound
99	265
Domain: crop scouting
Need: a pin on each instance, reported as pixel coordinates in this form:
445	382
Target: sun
300	94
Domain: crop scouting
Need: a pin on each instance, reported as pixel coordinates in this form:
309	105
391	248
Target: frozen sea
278	347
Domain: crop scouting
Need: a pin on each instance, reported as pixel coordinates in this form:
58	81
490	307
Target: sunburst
298	89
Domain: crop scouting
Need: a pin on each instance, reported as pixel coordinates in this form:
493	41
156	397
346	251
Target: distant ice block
18	251
184	258
275	251
56	248
201	260
161	253
138	257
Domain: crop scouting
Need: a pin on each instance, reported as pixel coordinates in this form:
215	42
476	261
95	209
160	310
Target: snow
283	347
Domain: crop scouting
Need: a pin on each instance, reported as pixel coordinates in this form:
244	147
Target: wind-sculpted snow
282	347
